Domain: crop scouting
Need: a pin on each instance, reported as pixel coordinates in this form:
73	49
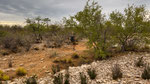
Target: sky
16	11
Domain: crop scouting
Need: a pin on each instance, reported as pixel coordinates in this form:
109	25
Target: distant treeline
128	31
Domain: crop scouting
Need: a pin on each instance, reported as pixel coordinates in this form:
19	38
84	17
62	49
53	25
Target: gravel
131	73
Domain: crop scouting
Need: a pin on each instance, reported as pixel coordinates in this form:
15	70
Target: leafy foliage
91	24
129	27
92	73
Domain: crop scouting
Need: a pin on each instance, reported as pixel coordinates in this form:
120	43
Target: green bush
146	73
92	73
55	68
5	77
21	71
100	55
139	62
83	78
116	72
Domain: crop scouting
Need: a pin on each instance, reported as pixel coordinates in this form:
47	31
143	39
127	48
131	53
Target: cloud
18	10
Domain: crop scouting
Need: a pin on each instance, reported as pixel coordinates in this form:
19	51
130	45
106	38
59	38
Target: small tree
36	26
91	24
129	27
46	21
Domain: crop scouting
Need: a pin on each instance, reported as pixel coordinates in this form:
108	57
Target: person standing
73	41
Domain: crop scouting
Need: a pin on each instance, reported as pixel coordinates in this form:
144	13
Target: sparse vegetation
67	75
116	72
31	80
146	72
58	79
55	68
3	76
63	61
21	71
92	73
75	56
83	78
104	35
139	62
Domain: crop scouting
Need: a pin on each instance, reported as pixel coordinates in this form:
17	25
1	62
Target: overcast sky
15	11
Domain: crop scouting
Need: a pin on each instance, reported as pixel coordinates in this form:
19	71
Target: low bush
146	73
67	77
83	78
55	68
139	62
58	79
75	56
116	72
8	42
15	43
31	80
27	45
21	71
92	73
3	76
84	61
100	55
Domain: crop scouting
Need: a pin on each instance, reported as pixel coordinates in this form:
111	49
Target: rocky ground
131	73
